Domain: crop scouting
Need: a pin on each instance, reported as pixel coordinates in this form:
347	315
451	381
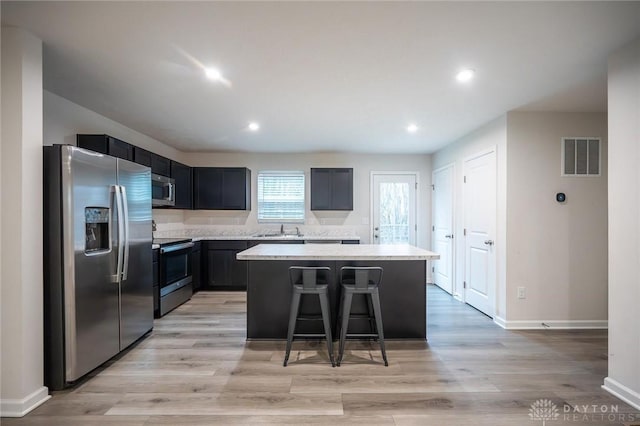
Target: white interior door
480	225
393	208
443	241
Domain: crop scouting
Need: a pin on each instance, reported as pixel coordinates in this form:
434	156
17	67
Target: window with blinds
580	157
281	196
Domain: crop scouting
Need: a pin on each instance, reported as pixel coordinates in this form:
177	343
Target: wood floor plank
79	420
242	403
390	384
443	402
271	420
193	384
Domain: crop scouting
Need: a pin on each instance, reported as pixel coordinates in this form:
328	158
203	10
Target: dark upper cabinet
159	164
183	180
331	189
221	188
106	144
142	156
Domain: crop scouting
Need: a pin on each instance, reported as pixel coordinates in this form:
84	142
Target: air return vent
580	157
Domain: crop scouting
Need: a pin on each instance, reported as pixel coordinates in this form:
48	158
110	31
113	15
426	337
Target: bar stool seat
361	280
309	280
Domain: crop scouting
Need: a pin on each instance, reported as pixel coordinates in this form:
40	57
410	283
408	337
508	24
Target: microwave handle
170	197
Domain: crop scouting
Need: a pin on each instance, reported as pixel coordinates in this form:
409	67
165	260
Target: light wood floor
197	369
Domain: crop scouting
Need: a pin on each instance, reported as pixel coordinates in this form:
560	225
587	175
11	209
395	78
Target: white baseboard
619	390
20	407
551	324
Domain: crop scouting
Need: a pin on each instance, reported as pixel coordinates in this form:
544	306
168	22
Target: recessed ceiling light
465	75
412	128
213	74
253	126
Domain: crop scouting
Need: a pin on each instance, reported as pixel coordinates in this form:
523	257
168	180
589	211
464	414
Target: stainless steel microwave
163	191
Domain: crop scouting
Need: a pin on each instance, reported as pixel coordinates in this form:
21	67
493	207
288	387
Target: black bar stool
309	280
361	280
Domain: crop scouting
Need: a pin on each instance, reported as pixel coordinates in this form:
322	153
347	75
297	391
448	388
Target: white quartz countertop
336	252
287	237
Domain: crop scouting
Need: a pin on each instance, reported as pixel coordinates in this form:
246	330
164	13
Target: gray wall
557	251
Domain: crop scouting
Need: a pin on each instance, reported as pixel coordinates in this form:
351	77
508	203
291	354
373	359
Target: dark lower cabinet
350	241
224	271
156	284
196	266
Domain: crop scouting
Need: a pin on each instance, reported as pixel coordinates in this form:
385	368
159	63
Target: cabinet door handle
450	236
489	242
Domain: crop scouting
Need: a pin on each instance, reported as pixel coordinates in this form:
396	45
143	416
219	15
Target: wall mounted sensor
560	197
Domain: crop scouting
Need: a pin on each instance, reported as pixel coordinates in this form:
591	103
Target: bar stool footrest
360	335
307	335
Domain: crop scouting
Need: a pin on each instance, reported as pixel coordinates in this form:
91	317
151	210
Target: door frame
454	254
480	153
371	197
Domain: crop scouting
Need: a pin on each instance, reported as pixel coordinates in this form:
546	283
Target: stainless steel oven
163	191
175	274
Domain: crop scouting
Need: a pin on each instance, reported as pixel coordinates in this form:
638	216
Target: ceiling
324	76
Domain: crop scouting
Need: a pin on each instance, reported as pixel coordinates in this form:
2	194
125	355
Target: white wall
21	369
64	119
356	220
624	224
557	251
491	135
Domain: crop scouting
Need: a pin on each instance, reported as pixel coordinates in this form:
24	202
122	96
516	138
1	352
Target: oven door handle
175	247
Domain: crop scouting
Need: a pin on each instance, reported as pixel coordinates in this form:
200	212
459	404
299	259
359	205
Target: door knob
489	242
449	236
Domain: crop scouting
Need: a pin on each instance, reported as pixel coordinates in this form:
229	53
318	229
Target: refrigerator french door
98	277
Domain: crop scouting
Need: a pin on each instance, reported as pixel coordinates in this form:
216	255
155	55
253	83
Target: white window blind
281	196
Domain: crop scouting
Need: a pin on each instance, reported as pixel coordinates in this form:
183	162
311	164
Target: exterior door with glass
393	208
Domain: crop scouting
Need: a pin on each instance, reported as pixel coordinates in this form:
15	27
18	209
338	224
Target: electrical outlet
522	293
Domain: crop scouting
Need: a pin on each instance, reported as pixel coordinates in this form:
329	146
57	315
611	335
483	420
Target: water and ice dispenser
96	222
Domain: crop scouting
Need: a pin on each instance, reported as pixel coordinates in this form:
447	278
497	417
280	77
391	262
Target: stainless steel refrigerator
98	295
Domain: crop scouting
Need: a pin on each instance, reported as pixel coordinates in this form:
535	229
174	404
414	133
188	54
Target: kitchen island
402	291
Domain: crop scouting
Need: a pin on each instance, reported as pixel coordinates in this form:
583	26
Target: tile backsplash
175	223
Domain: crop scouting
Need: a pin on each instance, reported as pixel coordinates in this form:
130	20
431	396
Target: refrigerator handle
125	208
115	190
